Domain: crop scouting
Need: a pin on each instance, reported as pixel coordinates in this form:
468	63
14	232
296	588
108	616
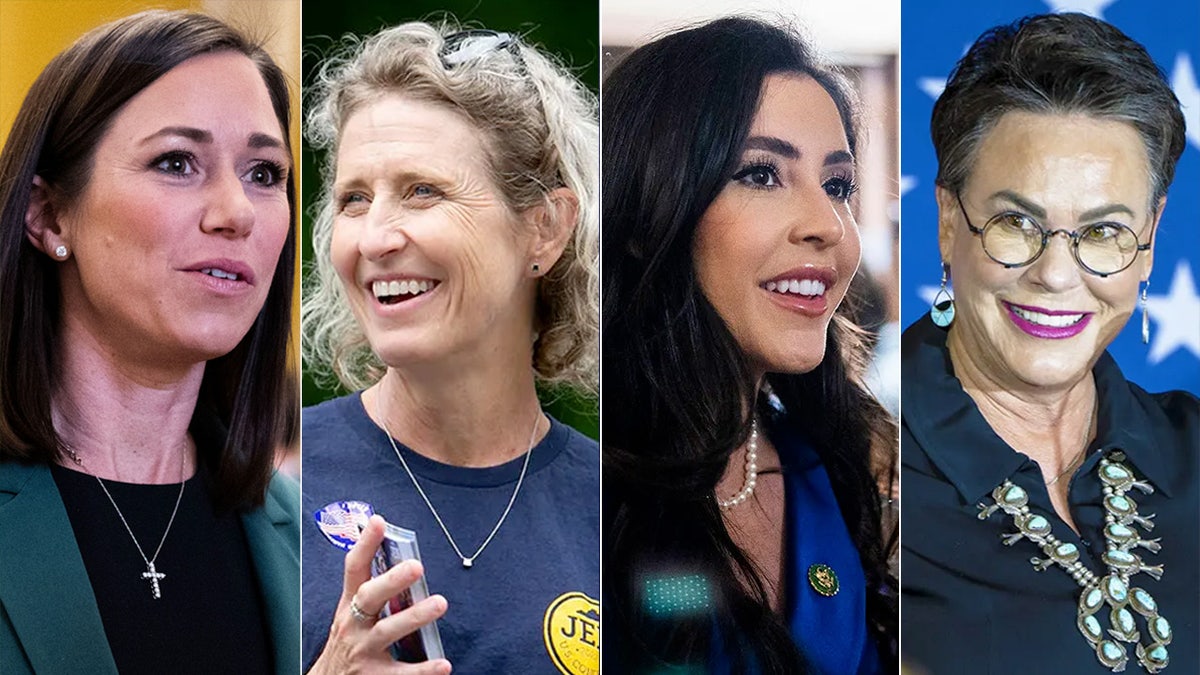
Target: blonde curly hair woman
457	269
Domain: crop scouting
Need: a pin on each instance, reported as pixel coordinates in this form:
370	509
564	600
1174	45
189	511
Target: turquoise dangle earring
942	311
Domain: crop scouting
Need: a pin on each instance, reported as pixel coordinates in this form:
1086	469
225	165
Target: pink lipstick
1049	324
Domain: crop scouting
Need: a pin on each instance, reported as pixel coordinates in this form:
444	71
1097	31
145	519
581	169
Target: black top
969	603
209	618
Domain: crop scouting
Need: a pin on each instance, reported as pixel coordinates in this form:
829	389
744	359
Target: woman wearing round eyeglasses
456	272
1033	472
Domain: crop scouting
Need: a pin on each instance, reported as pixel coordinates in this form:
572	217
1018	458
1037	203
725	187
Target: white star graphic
1183	81
928	293
1176	316
907	183
932	86
1090	7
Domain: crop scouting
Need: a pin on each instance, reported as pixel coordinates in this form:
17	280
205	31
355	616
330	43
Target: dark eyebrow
774	145
256	140
839	157
264	141
1022	203
784	149
1039	212
1106	210
191	133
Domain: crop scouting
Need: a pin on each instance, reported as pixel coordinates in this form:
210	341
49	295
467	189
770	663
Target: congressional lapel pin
823	579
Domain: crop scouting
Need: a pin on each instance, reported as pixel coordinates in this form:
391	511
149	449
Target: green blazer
49	621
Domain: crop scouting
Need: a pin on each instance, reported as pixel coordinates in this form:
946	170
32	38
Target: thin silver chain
467	561
1074	464
149	561
1078	460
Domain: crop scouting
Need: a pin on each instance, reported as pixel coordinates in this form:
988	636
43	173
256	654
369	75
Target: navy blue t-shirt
529	601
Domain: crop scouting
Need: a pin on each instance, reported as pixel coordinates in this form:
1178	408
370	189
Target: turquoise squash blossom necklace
1113	590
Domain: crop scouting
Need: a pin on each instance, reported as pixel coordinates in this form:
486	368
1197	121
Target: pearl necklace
1114	589
751	471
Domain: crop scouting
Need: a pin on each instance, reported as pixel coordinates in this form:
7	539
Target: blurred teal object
568	30
677	596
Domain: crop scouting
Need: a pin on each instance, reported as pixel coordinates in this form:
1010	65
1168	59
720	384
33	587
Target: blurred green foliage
568	30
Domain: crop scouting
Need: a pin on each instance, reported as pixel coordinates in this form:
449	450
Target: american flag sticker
341	522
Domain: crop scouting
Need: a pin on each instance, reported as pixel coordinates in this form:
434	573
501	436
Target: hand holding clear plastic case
399	545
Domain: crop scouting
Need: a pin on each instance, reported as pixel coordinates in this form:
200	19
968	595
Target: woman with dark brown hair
146	268
742	515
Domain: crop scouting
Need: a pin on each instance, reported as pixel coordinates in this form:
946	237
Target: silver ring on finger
356	612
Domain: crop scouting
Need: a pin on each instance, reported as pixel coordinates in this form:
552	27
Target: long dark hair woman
146	270
741	452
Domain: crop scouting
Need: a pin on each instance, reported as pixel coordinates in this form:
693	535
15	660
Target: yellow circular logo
571	630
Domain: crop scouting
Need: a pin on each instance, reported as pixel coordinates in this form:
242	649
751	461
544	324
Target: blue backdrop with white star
935	34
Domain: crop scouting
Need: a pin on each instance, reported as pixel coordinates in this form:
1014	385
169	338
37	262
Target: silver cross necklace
151	574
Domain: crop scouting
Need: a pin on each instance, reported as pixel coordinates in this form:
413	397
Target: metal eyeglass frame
1073	235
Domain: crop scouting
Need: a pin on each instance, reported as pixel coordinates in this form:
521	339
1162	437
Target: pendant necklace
151	574
1114	588
467	561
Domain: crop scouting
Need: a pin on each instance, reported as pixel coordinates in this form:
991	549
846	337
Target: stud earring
1145	315
536	268
942	311
60	252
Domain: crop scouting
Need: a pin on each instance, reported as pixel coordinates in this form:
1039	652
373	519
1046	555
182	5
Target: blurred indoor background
32	32
867	50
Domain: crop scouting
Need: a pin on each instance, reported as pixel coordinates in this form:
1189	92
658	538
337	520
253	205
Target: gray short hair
541	132
1056	64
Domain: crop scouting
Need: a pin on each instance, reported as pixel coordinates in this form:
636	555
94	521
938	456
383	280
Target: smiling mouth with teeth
808	287
220	274
1052	320
392	292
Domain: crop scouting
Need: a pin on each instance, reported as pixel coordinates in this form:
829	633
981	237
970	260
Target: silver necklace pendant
1112	591
153	576
467	561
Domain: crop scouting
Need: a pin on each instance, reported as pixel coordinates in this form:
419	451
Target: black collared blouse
970	603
